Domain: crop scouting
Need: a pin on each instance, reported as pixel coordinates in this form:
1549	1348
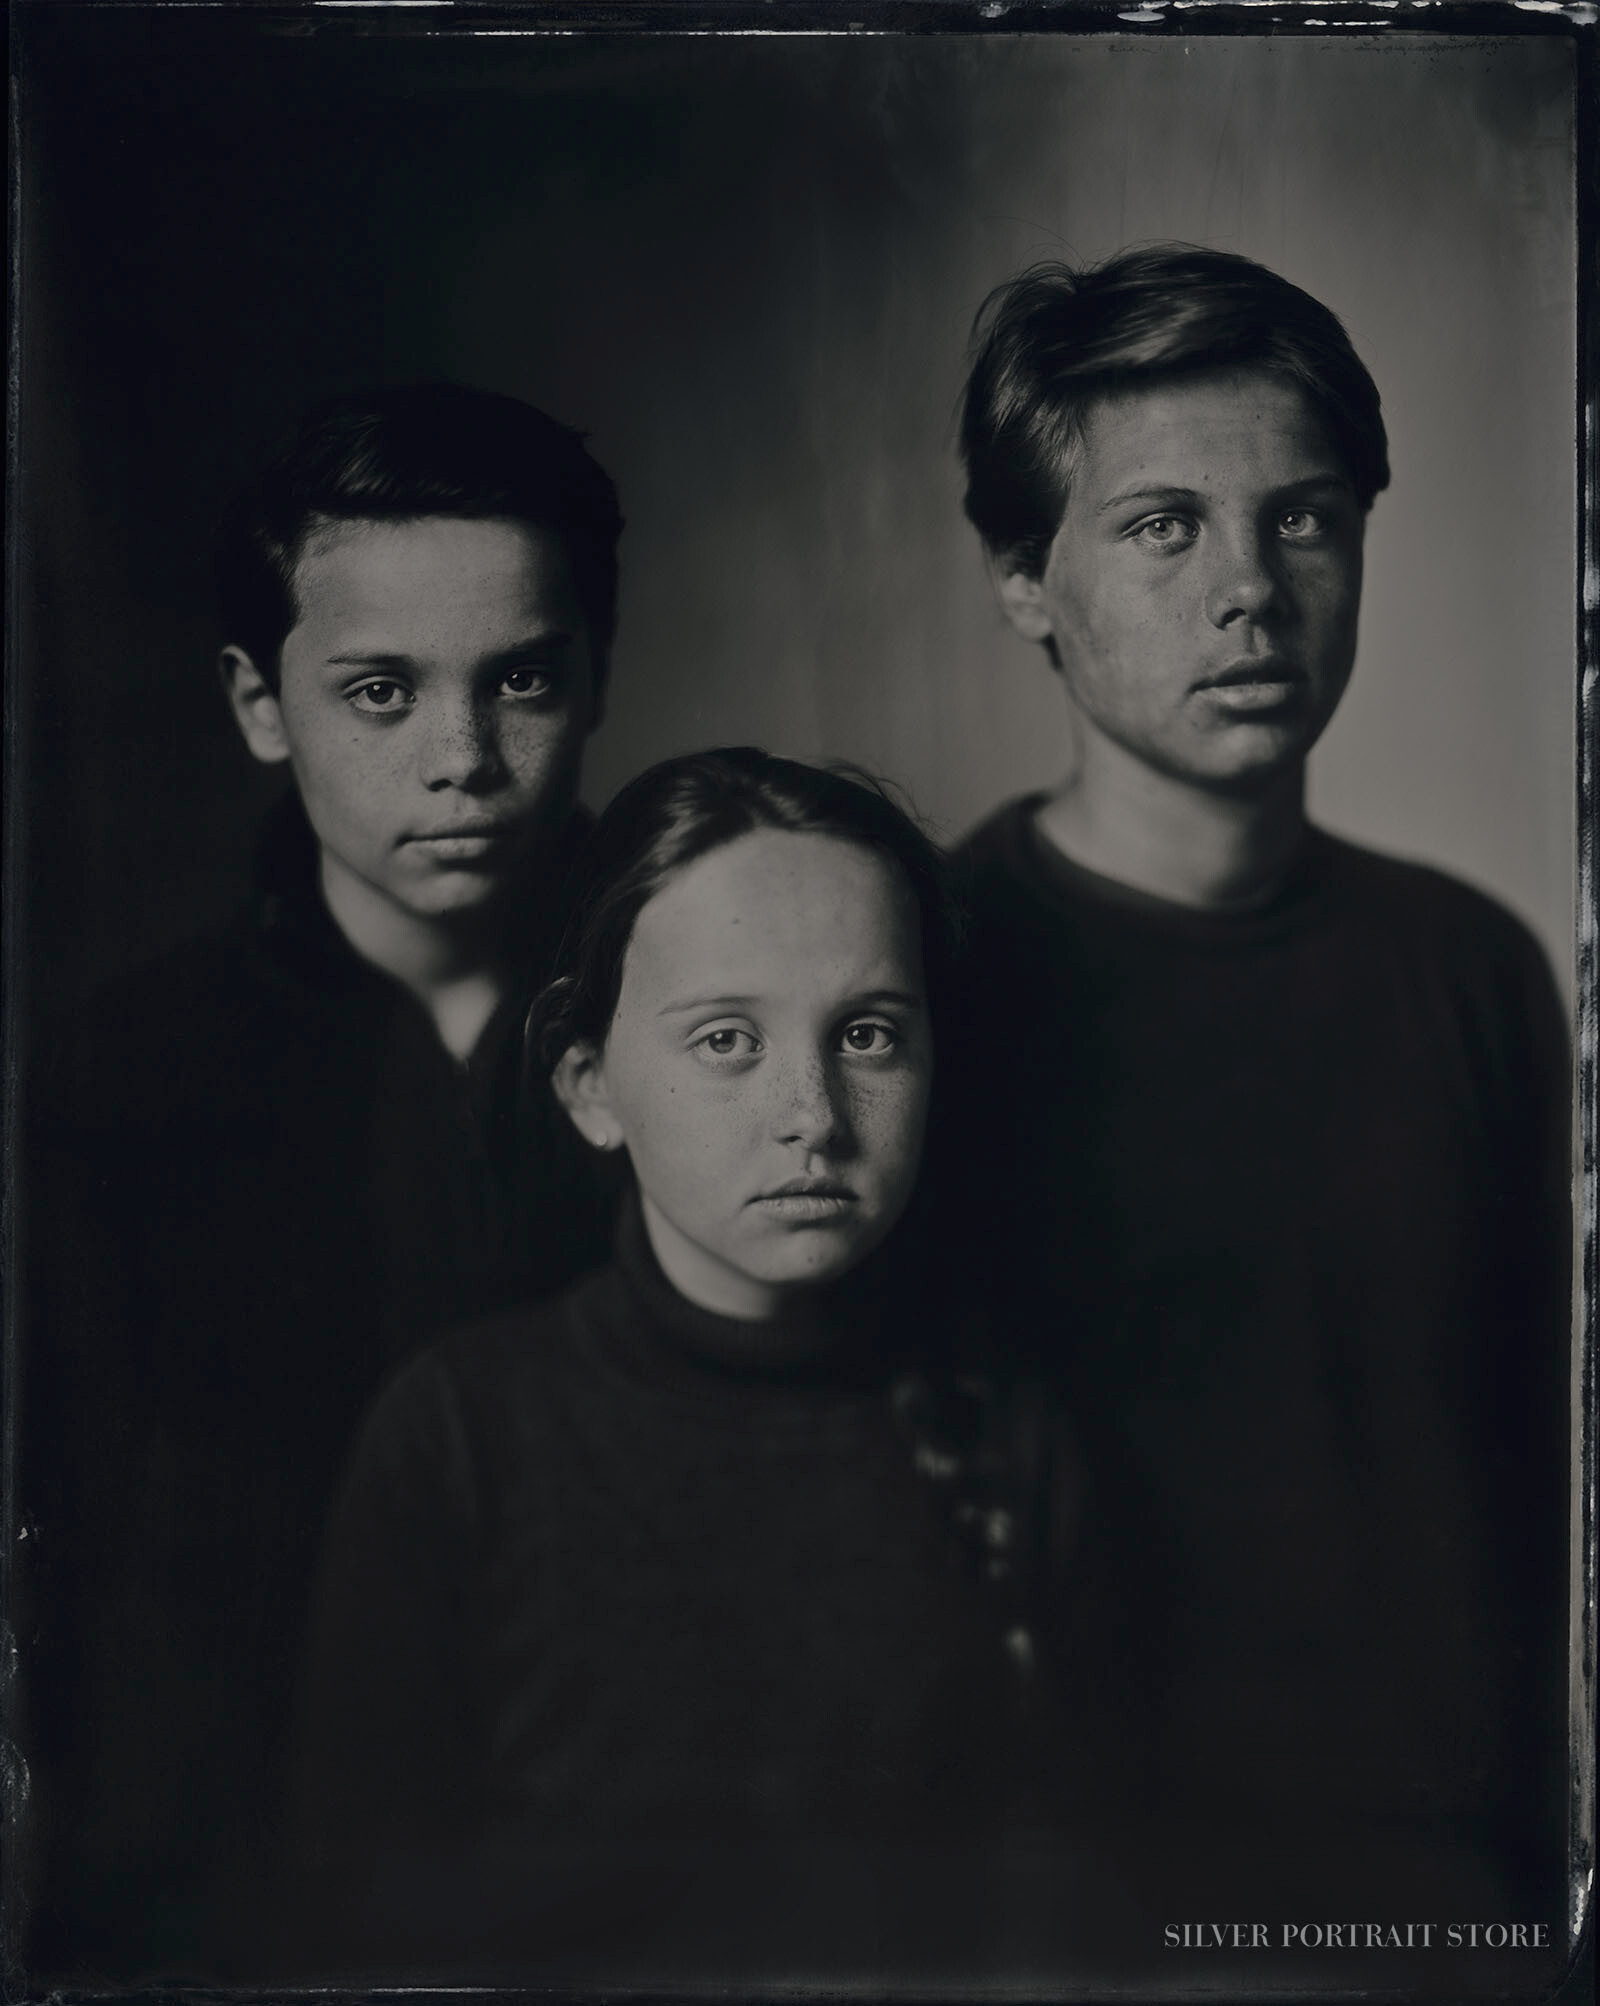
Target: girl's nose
808	1112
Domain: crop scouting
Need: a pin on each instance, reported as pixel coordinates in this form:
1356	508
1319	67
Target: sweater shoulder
1434	909
194	985
185	1024
1000	874
994	846
512	1353
493	1388
211	1029
996	874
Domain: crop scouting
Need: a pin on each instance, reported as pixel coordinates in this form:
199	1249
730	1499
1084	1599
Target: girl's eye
870	1039
1166	532
727	1042
380	695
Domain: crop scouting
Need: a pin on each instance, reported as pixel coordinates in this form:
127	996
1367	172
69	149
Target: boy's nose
1244	582
461	748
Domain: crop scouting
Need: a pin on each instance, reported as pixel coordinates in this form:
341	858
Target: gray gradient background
748	266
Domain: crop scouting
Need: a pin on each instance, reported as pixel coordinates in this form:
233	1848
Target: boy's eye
727	1042
380	695
528	682
869	1038
1300	524
1165	532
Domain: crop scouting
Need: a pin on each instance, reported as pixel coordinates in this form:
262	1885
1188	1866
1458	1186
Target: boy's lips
451	831
1263	684
1252	672
462	842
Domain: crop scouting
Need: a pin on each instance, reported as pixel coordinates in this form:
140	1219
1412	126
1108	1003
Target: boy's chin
459	894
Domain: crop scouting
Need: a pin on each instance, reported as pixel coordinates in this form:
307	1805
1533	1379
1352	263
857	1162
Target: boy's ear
580	1085
1022	600
254	705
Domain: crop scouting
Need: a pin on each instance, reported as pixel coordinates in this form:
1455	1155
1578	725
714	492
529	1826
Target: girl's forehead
774	909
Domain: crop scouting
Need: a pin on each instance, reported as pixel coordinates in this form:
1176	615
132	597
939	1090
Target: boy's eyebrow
1316	484
1155	492
906	998
1181	497
535	647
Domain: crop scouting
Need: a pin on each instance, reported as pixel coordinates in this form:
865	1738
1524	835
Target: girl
647	1645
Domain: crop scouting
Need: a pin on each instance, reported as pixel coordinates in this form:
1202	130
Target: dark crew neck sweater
1281	1195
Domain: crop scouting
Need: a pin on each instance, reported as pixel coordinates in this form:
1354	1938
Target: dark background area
747	266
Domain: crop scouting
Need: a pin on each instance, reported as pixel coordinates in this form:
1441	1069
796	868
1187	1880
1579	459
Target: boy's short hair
397	455
1056	338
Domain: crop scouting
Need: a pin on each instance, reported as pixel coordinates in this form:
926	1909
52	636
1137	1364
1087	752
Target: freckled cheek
1087	625
1332	613
688	1139
889	1117
348	750
1328	586
1121	649
358	792
535	748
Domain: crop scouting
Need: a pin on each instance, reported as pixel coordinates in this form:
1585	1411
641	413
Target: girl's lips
804	1204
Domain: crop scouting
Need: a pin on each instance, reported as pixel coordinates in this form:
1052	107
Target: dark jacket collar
287	910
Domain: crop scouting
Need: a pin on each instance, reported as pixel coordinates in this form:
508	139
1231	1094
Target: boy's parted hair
683	809
1058	337
397	455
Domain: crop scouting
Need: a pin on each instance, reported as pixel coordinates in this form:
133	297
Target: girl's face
767	1067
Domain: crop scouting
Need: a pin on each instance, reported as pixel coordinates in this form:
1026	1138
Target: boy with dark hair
1274	1168
279	1157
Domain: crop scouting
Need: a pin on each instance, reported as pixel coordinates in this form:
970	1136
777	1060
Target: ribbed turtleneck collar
840	1339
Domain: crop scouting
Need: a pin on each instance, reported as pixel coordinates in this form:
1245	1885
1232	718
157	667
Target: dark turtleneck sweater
258	1182
647	1654
641	1642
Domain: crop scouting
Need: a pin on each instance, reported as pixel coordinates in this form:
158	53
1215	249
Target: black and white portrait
794	1002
